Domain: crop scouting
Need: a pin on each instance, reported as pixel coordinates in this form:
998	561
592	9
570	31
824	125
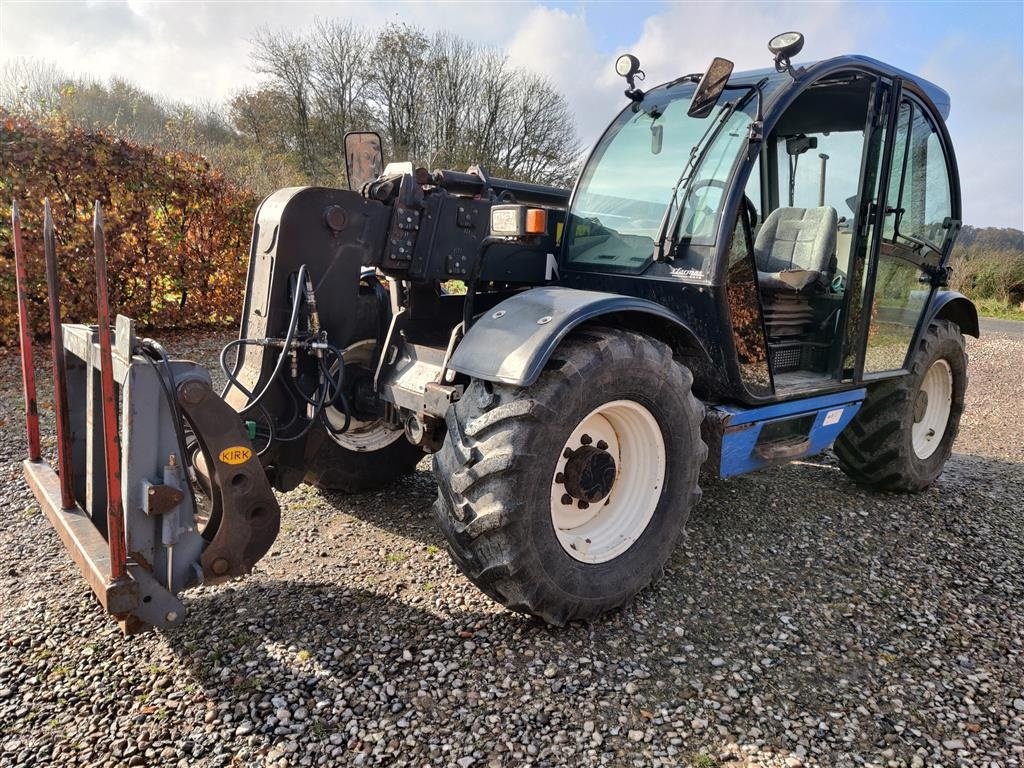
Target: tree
286	60
438	100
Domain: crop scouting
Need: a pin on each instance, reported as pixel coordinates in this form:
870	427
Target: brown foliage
176	231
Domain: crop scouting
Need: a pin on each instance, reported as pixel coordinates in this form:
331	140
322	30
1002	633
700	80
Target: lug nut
559	478
586	439
583	504
602	445
566	498
220	566
567	453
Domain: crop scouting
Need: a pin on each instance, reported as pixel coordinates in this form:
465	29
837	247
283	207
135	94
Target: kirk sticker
237	454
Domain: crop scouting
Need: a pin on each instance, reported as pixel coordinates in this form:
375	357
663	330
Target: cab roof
780	82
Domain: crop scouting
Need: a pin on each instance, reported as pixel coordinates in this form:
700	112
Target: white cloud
685	37
560	45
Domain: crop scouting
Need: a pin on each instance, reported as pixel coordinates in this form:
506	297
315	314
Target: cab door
913	219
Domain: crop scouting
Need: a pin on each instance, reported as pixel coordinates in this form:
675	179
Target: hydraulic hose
330	385
300	290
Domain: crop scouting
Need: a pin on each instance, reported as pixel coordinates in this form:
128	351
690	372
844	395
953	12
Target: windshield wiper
697	154
696	157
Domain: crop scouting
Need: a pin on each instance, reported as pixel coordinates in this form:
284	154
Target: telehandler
710	297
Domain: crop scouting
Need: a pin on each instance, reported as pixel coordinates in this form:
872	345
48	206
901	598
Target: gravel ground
802	622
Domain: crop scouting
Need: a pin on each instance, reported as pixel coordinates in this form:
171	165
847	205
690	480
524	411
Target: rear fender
512	342
953	306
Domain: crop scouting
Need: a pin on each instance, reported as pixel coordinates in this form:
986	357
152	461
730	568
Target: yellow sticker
237	454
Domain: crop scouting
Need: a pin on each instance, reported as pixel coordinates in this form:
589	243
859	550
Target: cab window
919	203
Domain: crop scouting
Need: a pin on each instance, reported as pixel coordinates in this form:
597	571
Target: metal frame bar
82	540
28	370
60	376
111	448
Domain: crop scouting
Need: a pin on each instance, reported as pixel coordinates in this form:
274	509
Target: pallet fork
132	428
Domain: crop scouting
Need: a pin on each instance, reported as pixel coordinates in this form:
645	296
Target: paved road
1005	327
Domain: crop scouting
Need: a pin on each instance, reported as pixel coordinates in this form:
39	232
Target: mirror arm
755	131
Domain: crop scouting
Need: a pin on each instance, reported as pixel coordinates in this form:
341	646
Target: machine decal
551	268
236	454
832	417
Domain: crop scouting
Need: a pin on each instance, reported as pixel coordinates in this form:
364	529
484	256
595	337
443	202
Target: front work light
627	65
785	46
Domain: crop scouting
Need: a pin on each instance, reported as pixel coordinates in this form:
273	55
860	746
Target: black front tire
876	449
495	475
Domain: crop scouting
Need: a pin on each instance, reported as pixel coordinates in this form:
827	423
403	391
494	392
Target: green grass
704	760
998	309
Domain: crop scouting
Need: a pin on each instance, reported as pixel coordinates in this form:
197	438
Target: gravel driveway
803	622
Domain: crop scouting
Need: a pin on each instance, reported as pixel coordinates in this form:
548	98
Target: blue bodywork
742	430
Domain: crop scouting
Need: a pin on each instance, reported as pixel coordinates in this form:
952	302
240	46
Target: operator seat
795	249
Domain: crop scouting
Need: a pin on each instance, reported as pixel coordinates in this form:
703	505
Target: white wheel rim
364	436
601	531
931	409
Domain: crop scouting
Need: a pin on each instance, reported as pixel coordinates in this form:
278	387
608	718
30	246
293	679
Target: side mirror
364	158
710	88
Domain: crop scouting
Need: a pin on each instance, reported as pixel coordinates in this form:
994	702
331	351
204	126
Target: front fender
512	342
950	305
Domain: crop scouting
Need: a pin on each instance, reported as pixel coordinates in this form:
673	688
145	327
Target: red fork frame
111	446
103	561
60	375
28	371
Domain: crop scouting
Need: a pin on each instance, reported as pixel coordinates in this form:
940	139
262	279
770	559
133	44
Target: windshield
624	192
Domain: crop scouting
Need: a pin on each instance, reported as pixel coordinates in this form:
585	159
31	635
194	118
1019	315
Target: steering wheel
747	202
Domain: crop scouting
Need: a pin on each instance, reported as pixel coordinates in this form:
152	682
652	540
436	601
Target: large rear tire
564	499
904	433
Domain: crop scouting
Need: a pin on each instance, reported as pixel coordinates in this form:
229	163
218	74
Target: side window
815	180
919	200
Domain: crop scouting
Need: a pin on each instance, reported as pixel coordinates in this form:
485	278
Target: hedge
177	231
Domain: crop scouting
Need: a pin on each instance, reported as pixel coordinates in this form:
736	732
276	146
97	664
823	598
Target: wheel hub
589	474
367	430
607	481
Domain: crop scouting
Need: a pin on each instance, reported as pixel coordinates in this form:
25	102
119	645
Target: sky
199	52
